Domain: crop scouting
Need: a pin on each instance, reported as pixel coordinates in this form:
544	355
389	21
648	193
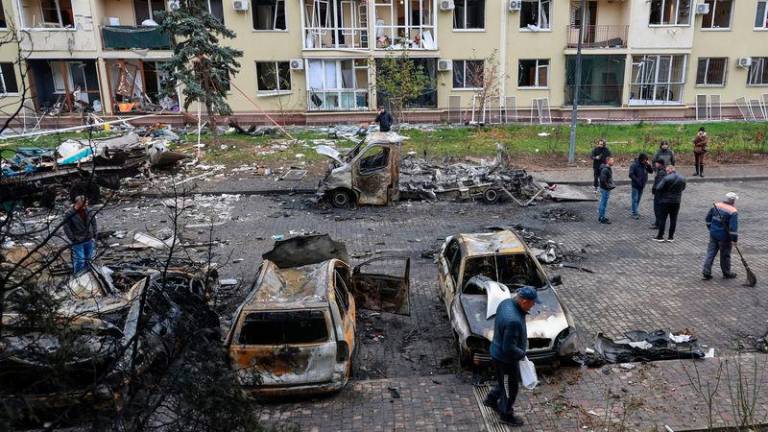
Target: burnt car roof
285	288
498	242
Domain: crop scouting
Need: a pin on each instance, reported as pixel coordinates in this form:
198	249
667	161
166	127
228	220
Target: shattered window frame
758	72
469	15
53	15
276	8
718	10
381	163
277	71
468	74
538	66
712	71
8	79
341	293
511	261
536	13
670	13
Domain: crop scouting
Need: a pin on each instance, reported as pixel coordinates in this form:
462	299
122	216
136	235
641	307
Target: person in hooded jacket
638	174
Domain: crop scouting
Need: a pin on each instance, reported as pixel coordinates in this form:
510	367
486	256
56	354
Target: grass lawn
532	145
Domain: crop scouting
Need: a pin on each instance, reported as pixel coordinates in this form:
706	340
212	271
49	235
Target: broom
751	278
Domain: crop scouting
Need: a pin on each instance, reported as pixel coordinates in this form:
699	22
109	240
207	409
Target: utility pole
576	85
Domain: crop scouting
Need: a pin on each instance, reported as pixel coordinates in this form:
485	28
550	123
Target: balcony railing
405	37
134	37
334	38
599	36
337	100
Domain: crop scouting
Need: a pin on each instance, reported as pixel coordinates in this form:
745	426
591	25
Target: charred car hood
330	152
546	319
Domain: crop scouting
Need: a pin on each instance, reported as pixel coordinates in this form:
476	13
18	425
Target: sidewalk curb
689	180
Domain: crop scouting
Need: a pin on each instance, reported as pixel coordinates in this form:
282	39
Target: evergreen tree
200	63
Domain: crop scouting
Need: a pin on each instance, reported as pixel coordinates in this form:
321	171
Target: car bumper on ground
274	391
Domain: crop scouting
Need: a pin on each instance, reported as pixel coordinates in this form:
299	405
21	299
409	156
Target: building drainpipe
503	52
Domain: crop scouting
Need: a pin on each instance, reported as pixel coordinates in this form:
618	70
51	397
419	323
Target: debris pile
643	346
559	214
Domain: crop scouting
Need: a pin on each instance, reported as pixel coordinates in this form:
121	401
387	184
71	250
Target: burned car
369	174
473	267
295	331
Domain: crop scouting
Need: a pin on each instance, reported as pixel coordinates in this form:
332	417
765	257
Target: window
670	12
535	14
657	79
283	328
719	15
269	15
2	17
56	14
711	71
533	73
273	76
148	10
8	79
514	270
216	8
761	17
469	14
758	72
376	158
337	84
467	74
341	293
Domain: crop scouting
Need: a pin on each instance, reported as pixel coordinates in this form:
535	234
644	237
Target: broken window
148	10
657	79
335	24
453	258
216	8
375	158
761	17
282	328
47	14
533	73
467	74
269	15
469	14
273	76
719	15
341	293
758	72
513	270
711	71
8	79
670	12
337	84
405	24
535	14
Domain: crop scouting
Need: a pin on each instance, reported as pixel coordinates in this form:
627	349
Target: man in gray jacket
670	190
510	342
80	227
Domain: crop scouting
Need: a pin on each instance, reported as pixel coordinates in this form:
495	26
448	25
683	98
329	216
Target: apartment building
315	61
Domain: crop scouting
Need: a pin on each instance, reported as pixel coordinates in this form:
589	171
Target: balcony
134	37
335	24
599	36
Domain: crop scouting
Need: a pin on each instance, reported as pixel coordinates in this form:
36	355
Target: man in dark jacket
605	181
661	172
671	188
665	154
80	228
510	342
723	223
599	155
385	120
638	173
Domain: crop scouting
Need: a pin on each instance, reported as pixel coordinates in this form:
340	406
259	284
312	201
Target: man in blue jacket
638	173
510	342
723	223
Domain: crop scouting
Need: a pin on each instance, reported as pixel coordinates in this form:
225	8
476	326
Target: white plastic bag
528	374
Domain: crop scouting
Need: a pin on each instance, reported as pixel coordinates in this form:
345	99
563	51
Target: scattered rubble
642	346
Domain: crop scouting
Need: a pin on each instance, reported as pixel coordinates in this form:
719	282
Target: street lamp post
577	86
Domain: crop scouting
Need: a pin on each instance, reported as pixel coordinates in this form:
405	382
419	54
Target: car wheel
491	196
341	198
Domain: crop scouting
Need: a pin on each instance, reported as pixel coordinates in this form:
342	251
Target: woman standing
699	149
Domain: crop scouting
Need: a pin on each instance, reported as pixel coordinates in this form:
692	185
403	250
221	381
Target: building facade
315	61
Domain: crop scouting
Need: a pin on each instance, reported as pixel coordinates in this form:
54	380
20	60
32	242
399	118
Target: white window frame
312	28
465	28
691	13
765	15
541	28
20	8
339	80
706	72
274	18
537	84
390	30
656	79
278	90
714	5
762	64
464	70
2	82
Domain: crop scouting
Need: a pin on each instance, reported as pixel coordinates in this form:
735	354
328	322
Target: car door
383	284
450	264
372	175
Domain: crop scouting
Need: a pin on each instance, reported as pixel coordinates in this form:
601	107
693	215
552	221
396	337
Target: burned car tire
341	198
491	196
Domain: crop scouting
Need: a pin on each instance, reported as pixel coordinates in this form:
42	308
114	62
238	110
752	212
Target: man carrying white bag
510	342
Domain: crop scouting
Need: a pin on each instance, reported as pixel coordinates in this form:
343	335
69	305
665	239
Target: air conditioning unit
515	5
447	5
444	65
702	8
240	5
744	62
297	64
174	5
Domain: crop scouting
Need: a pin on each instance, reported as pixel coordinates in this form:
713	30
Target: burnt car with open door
295	331
477	269
368	174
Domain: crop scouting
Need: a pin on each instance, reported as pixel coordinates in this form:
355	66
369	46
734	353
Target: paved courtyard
406	374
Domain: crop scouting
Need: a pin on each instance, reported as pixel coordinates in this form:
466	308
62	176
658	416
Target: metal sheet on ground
490	418
561	192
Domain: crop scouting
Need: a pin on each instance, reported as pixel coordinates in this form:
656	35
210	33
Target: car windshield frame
542	284
293	316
